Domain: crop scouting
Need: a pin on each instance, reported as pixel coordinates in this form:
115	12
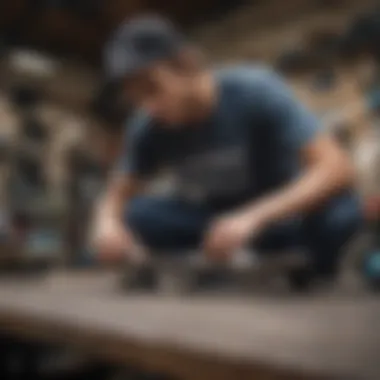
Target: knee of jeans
336	228
164	223
139	215
141	218
280	237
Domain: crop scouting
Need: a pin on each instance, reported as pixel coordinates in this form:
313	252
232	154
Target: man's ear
190	60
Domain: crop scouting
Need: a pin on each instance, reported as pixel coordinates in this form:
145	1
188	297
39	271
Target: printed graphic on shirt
222	173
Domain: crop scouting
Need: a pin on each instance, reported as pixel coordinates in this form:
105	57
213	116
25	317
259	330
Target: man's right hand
110	237
112	241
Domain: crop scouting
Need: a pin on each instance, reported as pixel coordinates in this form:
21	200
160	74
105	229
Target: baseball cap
138	43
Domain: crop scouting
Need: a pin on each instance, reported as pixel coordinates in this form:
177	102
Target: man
253	166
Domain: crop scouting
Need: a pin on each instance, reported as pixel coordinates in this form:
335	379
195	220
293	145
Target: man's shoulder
253	76
248	85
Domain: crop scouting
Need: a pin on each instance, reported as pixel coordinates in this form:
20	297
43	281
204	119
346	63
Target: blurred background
61	123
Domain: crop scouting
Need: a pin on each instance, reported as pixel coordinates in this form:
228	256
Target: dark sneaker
300	280
214	279
305	280
140	278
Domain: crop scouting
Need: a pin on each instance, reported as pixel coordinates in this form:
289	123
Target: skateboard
193	273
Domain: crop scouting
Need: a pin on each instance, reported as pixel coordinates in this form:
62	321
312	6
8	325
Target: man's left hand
230	233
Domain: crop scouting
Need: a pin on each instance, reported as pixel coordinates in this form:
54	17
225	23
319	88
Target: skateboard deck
187	274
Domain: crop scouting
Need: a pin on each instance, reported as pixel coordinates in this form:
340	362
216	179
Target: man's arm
135	164
110	234
111	205
326	167
327	170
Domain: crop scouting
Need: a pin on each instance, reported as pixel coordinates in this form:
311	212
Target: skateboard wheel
140	278
300	280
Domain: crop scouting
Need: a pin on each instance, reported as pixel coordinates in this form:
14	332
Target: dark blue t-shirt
250	144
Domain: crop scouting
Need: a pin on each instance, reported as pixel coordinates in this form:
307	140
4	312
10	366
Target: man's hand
113	241
232	232
110	238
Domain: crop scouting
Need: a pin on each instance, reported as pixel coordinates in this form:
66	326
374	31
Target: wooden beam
198	338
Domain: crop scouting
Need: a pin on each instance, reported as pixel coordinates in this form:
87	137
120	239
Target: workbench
257	337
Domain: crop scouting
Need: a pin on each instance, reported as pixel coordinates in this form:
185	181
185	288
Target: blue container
372	269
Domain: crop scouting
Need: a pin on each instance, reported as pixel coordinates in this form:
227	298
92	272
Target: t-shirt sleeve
137	156
289	119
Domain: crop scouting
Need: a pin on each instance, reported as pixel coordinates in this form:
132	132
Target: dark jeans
167	224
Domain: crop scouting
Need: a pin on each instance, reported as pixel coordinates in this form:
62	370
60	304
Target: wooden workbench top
198	337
